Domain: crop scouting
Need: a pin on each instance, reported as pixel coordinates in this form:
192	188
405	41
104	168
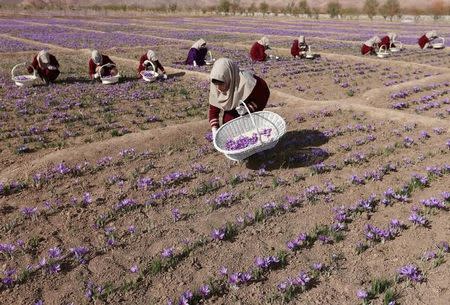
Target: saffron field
116	195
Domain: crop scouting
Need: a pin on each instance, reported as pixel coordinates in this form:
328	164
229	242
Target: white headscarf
264	41
198	44
392	36
96	57
431	34
372	41
241	84
44	57
151	55
301	39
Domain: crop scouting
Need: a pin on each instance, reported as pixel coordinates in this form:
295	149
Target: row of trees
388	9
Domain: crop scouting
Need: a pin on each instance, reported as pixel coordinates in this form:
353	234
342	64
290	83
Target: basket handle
210	55
153	66
18	65
252	119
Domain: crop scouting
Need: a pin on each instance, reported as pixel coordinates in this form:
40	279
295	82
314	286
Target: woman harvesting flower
150	61
197	54
258	50
228	87
387	40
298	46
370	46
425	39
46	66
96	62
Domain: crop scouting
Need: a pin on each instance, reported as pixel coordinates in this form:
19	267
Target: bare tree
370	8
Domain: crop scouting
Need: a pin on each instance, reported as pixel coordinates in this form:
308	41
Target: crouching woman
229	86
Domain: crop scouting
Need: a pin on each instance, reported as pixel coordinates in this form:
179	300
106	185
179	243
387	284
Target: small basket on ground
382	52
210	61
109	79
253	123
309	54
23	80
150	75
439	45
396	46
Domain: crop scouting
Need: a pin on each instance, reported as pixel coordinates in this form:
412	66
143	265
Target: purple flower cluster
126	203
301	281
266	262
174	178
375	234
418	219
241	142
239	278
433	203
411	272
301	240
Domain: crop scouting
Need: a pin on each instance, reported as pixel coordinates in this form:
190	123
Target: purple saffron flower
79	253
29	212
418	219
223	271
134	269
176	215
168	252
362	294
318	266
443	245
411	272
205	290
87	199
218	234
54	253
428	255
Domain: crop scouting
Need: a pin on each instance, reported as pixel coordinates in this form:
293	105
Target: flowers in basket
246	140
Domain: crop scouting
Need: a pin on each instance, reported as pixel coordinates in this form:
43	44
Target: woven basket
107	80
252	122
398	46
210	60
23	80
149	76
439	45
382	52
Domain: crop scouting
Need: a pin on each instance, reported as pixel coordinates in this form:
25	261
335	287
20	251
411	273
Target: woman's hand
214	132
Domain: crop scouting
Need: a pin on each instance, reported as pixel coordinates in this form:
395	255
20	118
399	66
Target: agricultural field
116	195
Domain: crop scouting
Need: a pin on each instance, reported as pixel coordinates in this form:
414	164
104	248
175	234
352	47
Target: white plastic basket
210	60
252	122
382	52
149	76
439	45
309	54
107	80
398	46
23	80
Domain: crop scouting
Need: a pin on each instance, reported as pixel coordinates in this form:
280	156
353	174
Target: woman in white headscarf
197	54
46	66
370	46
425	39
149	61
298	46
258	50
98	60
228	87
